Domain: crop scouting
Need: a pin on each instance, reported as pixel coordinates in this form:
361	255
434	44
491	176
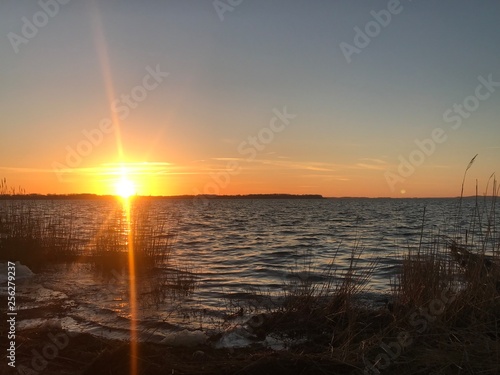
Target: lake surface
240	250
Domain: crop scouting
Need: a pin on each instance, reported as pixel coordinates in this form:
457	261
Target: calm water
239	246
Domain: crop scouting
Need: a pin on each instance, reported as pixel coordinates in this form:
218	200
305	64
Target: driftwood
472	261
477	266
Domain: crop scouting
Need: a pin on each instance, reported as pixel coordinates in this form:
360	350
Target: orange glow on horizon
127	177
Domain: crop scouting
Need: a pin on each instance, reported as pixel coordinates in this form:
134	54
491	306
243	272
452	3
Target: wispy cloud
371	166
281	163
376	161
113	169
26	170
375	164
226	159
288	164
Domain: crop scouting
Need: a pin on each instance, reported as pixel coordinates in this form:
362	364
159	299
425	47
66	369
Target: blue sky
354	120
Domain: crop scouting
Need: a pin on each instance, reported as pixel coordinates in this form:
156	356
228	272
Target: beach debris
471	261
242	336
238	337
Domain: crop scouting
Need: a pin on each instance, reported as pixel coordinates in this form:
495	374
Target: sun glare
125	188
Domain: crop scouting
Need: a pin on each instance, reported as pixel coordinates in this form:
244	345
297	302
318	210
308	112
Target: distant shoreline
95	196
178	197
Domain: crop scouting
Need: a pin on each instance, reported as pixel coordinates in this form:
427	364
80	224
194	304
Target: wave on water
242	252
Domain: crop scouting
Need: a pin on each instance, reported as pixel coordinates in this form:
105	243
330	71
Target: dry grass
443	316
321	314
447	301
42	240
29	236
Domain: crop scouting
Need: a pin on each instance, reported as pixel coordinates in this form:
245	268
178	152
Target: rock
198	355
185	338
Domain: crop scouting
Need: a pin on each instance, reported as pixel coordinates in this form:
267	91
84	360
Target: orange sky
246	178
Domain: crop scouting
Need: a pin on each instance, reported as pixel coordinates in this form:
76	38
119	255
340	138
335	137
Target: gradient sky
354	121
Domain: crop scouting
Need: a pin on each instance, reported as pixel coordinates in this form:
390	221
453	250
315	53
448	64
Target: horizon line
215	196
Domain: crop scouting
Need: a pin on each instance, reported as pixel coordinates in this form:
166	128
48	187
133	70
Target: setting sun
125	188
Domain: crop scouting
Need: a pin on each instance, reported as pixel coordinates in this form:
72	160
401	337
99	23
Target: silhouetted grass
446	300
443	316
149	237
32	238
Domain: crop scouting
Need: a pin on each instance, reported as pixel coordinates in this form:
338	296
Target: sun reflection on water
132	287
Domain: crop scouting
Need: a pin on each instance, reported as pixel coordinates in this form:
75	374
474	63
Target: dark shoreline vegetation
194	197
442	317
56	197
